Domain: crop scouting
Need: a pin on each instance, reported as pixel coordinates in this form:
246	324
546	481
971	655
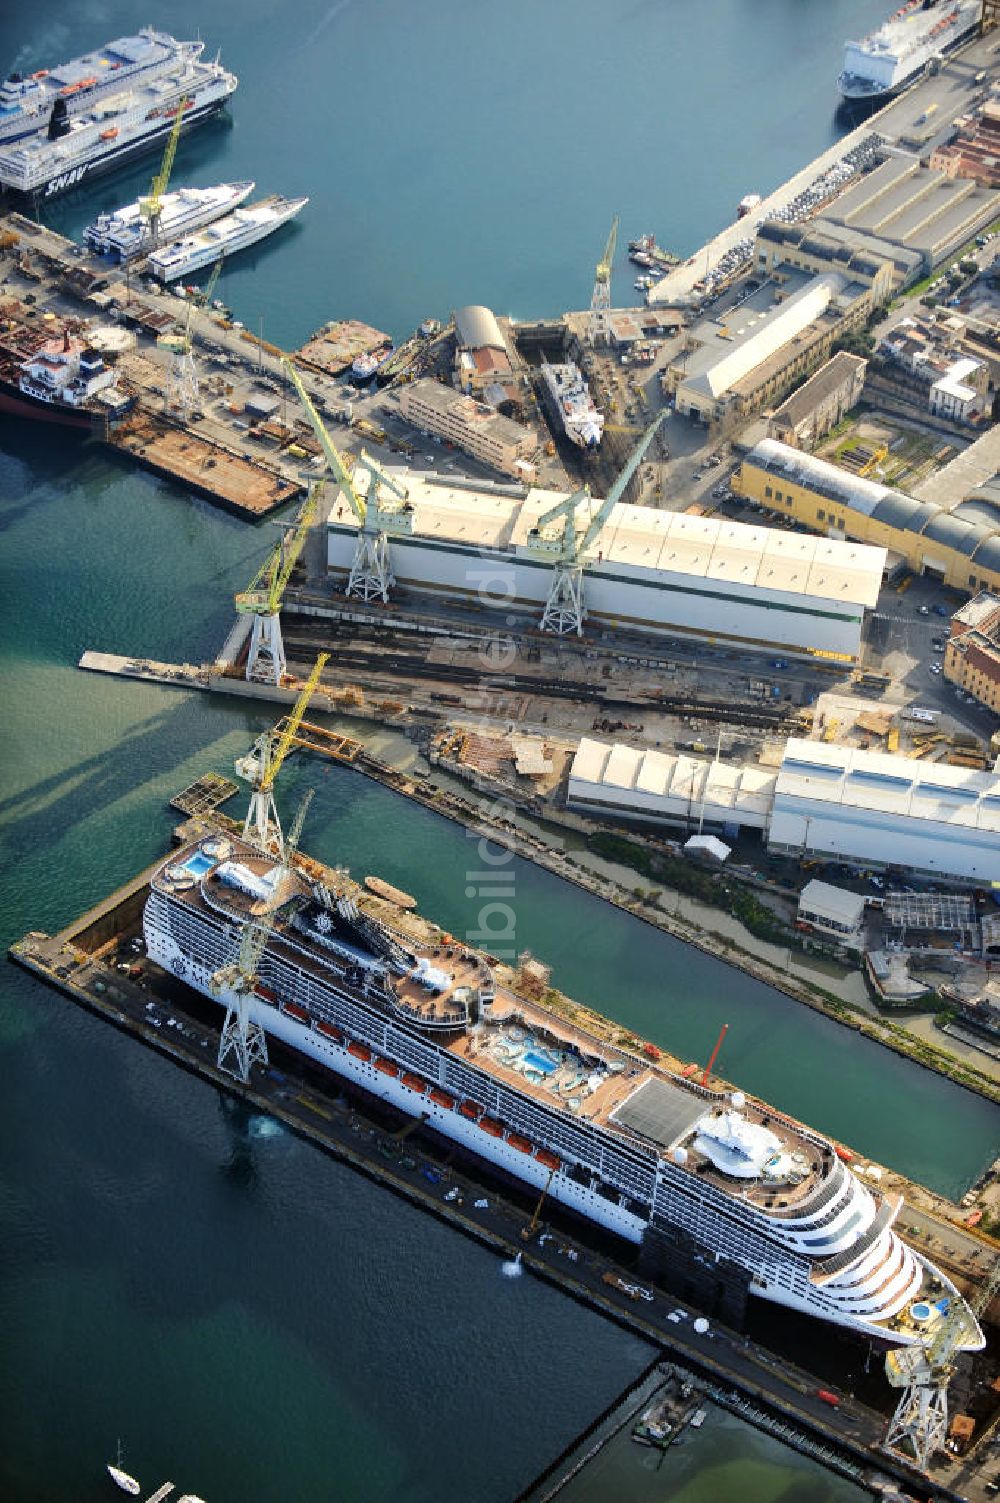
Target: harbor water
256	1321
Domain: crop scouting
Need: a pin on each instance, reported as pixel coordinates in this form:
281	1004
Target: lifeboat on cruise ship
442	1098
492	1126
264	992
330	1031
471	1110
844	1153
415	1082
360	1051
547	1159
386	1066
295	1011
523	1145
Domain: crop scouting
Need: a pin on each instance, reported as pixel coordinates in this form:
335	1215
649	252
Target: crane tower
600	302
150	207
380	505
243	1042
565	609
266	662
262	828
924	1371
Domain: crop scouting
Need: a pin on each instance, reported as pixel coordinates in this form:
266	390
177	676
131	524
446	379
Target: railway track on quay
303	643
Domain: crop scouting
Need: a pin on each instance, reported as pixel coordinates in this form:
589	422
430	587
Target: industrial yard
694	603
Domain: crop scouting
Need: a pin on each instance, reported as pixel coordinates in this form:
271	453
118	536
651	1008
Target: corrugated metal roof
964	537
477	329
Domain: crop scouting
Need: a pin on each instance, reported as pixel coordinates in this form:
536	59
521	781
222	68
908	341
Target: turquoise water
255	1321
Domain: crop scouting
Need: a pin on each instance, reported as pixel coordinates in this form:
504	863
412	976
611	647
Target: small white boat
121	1478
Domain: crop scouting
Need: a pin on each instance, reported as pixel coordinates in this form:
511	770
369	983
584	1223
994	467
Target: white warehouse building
873	809
652	787
649	571
866	809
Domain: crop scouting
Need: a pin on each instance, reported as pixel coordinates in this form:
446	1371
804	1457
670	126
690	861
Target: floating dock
240	485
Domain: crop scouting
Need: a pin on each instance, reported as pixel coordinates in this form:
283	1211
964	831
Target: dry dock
91	961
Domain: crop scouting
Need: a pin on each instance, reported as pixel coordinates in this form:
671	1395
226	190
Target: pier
910	125
92	961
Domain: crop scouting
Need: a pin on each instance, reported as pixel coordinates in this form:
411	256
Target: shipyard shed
962	551
653	787
872	809
651	571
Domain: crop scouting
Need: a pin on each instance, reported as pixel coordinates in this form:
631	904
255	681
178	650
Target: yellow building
960	552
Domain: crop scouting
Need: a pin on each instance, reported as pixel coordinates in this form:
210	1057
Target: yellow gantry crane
266	662
380	504
600	302
150	207
243	1042
262	827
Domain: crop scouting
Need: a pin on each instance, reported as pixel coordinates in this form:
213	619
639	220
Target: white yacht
127	233
225	237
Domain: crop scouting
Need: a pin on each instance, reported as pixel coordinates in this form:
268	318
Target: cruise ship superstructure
26	102
236	232
898	53
123	122
568	398
126	233
714	1181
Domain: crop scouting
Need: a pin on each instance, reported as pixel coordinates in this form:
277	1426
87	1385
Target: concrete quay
517	830
764	1386
910	125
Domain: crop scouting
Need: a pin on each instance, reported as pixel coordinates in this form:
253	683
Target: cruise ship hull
113	155
169	267
630	1222
125	235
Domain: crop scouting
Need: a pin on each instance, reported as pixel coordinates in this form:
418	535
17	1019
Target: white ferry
715	1187
119	126
26	102
569	401
898	53
126	233
225	237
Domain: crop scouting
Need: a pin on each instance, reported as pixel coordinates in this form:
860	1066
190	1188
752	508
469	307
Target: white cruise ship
898	53
126	234
119	126
713	1186
225	237
26	102
570	403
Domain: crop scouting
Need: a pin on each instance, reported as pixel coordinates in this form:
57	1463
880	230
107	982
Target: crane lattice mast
262	828
150	208
243	1042
919	1427
266	661
565	609
376	513
182	390
600	302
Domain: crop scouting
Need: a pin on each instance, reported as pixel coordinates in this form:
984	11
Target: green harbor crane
567	545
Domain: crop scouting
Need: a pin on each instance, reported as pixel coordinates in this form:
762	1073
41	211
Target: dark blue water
257	1322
